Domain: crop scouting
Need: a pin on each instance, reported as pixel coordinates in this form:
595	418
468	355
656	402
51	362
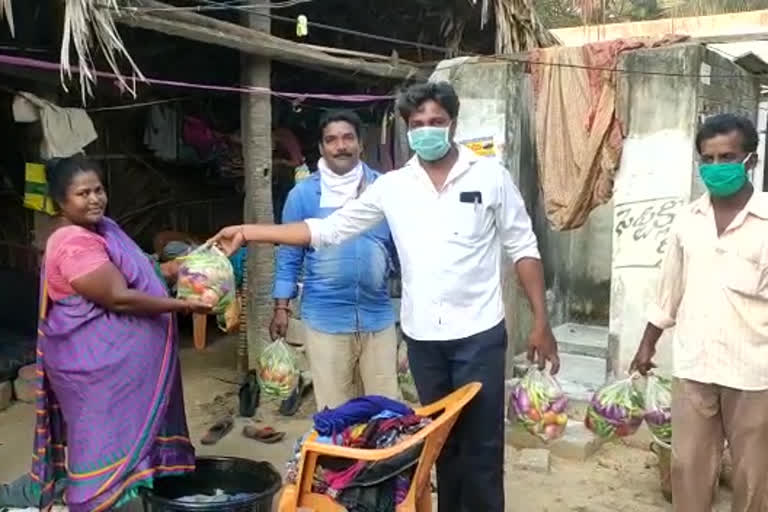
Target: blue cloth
358	410
346	288
238	260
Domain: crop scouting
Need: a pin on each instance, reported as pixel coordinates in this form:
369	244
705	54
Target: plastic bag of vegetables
206	275
658	408
404	376
278	370
616	410
538	403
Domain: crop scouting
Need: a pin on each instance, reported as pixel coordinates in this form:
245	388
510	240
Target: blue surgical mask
431	143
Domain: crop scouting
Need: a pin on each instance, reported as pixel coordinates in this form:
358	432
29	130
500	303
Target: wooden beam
209	30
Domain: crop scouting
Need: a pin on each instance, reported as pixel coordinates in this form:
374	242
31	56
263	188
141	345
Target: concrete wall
658	172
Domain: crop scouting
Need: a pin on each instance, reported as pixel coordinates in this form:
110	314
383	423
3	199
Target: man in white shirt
451	214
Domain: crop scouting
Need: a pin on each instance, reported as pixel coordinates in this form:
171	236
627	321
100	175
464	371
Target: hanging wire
258	10
220	6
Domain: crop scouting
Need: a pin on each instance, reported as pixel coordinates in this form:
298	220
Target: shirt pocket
465	219
742	273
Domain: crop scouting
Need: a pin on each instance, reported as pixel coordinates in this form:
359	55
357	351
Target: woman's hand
229	239
195	307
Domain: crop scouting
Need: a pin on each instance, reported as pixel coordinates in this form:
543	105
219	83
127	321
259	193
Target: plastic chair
299	497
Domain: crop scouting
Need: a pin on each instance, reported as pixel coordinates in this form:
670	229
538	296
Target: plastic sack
658	408
538	403
278	370
404	376
616	410
229	321
206	275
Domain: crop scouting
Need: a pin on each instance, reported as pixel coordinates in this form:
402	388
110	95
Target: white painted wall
653	183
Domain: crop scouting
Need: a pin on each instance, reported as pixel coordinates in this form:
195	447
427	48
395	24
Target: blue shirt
345	288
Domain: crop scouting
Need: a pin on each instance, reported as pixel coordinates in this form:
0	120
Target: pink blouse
72	252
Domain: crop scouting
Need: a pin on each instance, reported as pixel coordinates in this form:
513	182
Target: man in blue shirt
345	306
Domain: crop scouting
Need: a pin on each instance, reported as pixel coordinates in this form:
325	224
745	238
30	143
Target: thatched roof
91	24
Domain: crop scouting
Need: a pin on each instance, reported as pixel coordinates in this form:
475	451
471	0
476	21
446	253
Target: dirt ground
616	478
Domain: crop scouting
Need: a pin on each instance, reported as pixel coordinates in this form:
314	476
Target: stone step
577	442
582	340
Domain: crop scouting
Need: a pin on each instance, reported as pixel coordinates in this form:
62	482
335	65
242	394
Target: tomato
534	415
549	418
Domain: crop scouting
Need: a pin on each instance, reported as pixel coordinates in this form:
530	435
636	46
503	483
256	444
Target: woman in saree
109	385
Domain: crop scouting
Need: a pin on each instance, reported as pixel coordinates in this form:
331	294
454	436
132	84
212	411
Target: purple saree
109	390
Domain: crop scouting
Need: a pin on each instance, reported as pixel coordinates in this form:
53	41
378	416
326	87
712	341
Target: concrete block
24	390
6	395
577	442
537	460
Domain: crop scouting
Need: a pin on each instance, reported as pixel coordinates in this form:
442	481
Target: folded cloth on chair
358	410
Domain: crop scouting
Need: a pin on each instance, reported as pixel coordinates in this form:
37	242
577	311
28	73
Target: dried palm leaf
6	11
86	21
518	28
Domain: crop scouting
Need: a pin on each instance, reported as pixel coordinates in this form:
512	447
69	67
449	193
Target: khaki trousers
703	416
336	361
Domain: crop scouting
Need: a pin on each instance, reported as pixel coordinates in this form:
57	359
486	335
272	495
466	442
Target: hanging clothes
66	131
161	134
578	135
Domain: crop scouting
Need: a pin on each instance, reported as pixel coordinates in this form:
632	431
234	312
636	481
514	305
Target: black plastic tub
230	475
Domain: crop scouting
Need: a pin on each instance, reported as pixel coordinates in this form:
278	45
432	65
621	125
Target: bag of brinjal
538	403
616	410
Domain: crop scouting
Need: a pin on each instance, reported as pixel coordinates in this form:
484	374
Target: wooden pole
256	127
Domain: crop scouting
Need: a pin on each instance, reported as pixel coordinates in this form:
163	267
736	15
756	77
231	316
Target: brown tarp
578	136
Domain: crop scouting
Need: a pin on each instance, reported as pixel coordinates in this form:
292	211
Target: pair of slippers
221	428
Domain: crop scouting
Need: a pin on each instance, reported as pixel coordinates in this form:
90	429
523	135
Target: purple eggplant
560	405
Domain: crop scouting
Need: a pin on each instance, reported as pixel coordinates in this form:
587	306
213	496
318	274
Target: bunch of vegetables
404	376
206	275
278	371
616	410
658	408
539	404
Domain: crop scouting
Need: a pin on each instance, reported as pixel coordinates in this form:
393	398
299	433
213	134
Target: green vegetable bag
404	376
278	370
658	408
206	275
616	410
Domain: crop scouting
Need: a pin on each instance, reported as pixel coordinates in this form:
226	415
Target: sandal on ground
266	435
217	432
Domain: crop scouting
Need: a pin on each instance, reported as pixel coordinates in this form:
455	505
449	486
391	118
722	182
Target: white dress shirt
449	241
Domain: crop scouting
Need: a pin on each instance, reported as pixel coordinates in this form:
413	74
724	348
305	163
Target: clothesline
26	62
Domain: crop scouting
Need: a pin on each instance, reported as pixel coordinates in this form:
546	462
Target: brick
6	395
536	459
577	442
24	390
